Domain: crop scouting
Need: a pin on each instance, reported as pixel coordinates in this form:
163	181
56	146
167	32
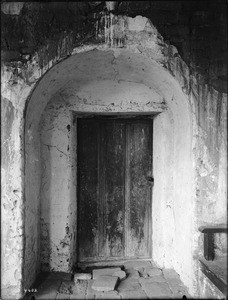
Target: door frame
112	116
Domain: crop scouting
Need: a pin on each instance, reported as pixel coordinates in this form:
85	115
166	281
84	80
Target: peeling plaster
17	86
58	192
132	68
12	8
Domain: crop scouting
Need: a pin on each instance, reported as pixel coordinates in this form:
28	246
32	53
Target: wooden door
114	189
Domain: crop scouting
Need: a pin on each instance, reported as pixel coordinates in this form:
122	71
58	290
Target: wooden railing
214	269
209	232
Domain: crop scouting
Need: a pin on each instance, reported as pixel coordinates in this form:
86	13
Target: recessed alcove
134	75
105	83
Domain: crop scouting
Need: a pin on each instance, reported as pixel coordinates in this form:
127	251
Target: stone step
104	272
137	265
138	294
128	285
82	276
149	272
157	290
151	279
105	283
107	295
120	274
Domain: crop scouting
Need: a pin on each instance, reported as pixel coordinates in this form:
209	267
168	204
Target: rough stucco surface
115	71
11	205
186	126
58	189
212	163
198	31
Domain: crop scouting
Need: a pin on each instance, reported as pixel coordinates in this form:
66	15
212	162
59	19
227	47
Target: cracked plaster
16	87
132	68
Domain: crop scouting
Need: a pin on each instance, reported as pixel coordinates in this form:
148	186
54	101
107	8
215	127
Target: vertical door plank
114	194
139	241
127	187
87	189
114	156
102	247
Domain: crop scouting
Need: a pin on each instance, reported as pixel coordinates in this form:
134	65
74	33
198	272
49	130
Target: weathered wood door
114	189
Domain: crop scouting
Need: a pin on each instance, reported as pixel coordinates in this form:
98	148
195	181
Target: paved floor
143	281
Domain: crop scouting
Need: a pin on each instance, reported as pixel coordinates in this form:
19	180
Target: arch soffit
97	75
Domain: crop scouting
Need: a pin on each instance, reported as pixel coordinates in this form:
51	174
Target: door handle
150	179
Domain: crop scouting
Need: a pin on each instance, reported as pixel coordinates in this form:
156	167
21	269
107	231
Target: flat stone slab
82	276
138	294
104	272
151	279
62	296
80	286
120	274
132	273
79	297
137	265
108	295
170	273
177	287
149	272
93	294
128	285
157	290
105	283
66	287
153	272
90	293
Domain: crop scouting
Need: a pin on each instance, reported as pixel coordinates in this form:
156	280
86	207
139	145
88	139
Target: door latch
150	179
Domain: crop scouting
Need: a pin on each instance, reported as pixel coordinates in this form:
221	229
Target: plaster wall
122	82
165	78
58	189
212	163
11	205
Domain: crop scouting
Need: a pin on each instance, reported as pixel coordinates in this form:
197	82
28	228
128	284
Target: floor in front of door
143	281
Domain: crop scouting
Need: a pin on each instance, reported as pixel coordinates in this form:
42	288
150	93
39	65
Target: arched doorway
111	82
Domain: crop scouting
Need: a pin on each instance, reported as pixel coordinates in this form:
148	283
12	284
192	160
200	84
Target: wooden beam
213	228
209	253
209	232
213	277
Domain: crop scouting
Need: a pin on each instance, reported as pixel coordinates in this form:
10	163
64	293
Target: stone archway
113	81
139	75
